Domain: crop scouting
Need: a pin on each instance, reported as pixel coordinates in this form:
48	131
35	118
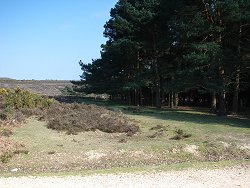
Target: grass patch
203	138
52	151
135	170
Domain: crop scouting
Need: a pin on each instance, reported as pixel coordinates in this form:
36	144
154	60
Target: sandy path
228	178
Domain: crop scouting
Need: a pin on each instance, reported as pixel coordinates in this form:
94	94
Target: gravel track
228	178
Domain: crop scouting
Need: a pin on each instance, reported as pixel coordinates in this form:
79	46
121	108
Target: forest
175	52
169	96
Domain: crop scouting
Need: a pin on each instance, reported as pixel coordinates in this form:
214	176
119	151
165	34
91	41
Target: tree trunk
222	104
171	100
158	97
136	98
176	99
213	102
236	92
141	97
241	103
237	78
152	97
222	99
168	99
129	98
156	68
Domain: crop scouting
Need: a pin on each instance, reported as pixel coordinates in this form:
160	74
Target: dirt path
228	178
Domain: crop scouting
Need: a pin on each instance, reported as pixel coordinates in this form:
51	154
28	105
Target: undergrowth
13	103
7	156
18	98
180	134
17	104
74	118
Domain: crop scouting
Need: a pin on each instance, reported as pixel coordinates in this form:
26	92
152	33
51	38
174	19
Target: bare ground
228	178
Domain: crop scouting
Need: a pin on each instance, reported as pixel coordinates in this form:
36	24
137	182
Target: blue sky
45	39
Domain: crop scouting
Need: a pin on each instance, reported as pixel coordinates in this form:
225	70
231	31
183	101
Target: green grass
135	170
216	139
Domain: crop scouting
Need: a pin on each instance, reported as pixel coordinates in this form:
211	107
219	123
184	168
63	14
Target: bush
68	90
6	157
71	118
17	104
6	132
18	99
5	113
218	152
74	118
180	135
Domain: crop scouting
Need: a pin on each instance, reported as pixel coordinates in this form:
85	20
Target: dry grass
75	118
53	151
101	141
43	87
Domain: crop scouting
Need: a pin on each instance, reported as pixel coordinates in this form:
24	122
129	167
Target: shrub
3	91
17	152
159	127
68	90
6	157
5	113
17	104
218	152
180	135
74	118
18	99
6	132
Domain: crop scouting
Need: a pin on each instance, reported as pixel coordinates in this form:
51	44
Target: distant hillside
43	87
5	78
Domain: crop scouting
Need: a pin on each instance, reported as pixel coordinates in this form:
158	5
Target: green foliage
69	90
6	157
5	113
158	47
17	152
18	99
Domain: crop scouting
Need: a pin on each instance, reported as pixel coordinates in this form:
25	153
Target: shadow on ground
196	115
199	118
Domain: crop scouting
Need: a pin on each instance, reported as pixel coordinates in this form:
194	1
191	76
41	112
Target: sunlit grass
52	151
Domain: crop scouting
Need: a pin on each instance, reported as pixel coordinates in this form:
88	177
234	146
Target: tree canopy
156	50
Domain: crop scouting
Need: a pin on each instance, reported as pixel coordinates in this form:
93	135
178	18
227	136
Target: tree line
175	51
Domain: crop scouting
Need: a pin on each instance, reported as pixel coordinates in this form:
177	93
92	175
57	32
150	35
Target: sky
45	39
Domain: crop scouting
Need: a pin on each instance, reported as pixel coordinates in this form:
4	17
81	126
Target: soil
218	178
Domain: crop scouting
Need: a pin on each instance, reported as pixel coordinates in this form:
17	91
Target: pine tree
159	48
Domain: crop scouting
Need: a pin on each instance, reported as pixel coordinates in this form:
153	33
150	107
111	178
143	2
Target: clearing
166	137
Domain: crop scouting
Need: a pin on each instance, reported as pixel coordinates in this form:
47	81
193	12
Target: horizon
45	40
7	79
